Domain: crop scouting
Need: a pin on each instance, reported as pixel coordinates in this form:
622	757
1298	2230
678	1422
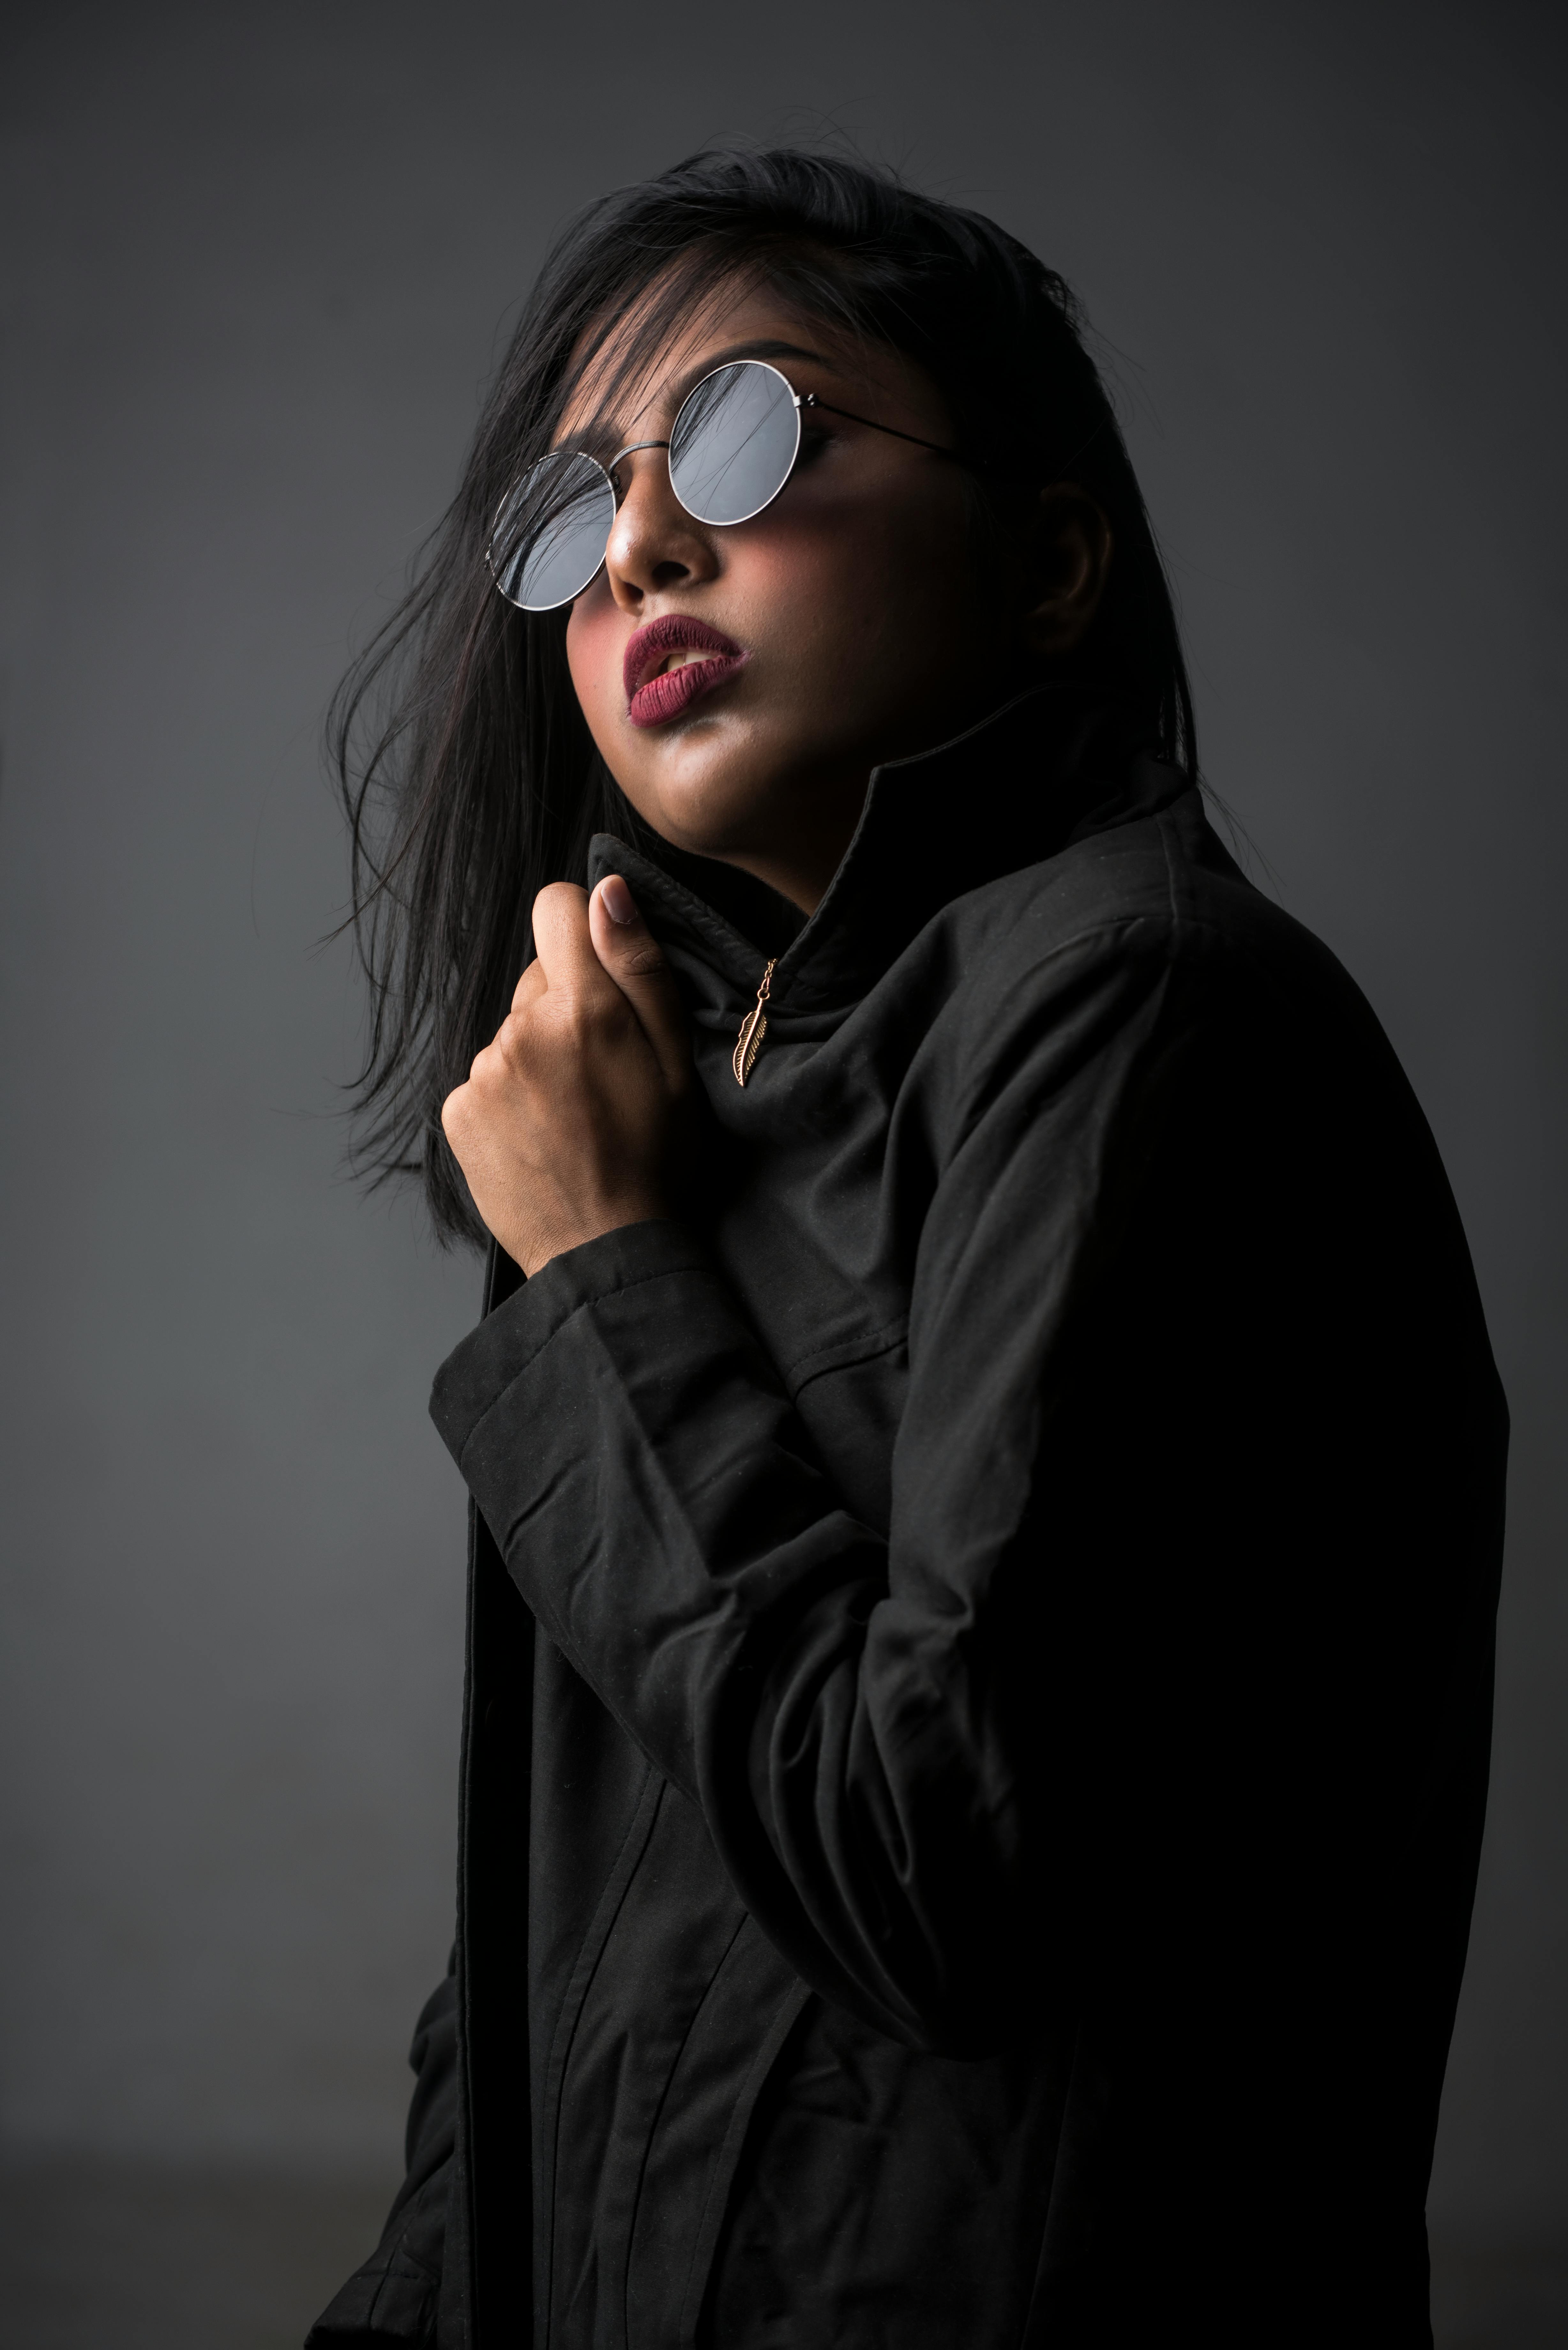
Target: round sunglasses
732	447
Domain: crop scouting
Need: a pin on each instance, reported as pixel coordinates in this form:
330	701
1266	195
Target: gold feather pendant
753	1028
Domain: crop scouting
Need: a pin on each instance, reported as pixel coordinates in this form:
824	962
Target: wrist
539	1246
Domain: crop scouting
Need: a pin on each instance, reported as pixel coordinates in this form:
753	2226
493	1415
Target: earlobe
1071	557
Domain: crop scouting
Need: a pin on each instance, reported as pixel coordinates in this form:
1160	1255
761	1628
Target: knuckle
589	1019
558	898
611	1013
490	1065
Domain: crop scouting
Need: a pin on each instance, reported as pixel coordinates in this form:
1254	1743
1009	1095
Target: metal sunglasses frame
800	401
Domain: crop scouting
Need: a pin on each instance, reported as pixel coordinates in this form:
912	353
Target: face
858	628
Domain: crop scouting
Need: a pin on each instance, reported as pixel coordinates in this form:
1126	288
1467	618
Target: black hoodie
980	1637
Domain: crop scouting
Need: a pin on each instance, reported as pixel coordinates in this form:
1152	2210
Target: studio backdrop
259	264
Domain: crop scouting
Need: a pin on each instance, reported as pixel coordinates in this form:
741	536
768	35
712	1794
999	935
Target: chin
704	786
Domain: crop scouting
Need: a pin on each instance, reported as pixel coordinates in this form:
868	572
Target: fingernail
617	900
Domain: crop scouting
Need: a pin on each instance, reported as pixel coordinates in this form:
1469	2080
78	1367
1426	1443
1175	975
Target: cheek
595	642
803	589
910	543
876	586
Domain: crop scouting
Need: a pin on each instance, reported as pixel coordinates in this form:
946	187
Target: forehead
634	383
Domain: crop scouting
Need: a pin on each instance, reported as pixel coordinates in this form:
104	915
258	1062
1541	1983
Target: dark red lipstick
655	693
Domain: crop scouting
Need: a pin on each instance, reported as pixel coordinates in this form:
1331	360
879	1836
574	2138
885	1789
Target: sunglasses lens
734	442
551	533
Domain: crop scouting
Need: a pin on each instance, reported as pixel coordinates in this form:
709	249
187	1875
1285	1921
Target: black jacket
979	1848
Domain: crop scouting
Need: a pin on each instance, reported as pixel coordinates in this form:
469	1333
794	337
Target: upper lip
651	647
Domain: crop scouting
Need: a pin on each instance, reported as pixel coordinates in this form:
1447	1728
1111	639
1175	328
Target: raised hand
572	1119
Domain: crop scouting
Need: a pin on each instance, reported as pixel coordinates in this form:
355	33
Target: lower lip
664	697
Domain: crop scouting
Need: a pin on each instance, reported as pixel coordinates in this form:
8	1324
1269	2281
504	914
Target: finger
529	987
563	948
454	1117
634	959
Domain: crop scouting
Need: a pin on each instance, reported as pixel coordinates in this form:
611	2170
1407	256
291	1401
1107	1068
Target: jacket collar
1047	768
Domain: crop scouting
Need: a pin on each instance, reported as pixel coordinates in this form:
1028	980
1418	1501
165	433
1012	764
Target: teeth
683	657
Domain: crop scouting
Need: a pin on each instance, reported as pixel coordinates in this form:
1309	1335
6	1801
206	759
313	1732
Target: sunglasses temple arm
810	399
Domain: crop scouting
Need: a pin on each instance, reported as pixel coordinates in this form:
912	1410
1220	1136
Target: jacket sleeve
835	1700
393	2297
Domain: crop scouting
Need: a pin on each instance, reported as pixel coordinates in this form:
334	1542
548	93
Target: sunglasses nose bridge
654	536
632	449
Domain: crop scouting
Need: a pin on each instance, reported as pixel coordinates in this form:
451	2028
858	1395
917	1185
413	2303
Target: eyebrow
761	347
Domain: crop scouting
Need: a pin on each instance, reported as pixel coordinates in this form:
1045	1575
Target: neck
800	844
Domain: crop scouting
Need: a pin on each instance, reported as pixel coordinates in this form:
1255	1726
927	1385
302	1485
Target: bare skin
867	636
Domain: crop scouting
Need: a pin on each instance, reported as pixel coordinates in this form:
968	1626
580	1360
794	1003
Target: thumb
634	961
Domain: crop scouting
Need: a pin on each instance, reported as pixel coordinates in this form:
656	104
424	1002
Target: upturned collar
1047	768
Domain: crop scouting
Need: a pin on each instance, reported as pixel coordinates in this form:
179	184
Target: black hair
466	768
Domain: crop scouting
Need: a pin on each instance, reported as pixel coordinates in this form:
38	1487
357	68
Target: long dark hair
466	769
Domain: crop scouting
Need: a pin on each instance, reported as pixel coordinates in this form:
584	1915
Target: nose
655	544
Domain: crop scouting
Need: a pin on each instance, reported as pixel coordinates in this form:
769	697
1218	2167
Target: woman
987	1462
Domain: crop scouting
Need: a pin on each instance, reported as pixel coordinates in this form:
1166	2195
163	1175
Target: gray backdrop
257	267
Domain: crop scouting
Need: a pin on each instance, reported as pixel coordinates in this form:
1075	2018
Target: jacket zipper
753	1028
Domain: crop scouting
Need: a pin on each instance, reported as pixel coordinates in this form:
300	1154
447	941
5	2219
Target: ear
1069	556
